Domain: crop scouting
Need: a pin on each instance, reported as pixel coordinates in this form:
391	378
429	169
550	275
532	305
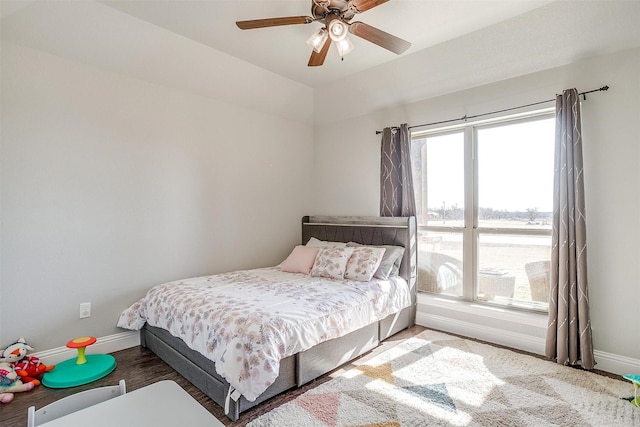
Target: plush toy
15	352
29	368
10	383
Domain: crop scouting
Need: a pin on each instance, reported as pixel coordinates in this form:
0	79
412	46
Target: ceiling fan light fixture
336	17
337	29
344	46
317	40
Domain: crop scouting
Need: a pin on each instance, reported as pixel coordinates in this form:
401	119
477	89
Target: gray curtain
569	339
396	181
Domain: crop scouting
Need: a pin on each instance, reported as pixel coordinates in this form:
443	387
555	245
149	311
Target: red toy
30	369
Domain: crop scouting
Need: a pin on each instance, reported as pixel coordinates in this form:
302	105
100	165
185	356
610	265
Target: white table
164	403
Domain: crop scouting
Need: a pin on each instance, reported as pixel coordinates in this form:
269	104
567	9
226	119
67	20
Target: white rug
435	379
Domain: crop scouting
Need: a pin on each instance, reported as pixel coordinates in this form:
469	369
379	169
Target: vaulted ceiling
283	50
455	44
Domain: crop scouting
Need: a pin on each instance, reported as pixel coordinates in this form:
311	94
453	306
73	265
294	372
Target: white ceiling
284	51
195	46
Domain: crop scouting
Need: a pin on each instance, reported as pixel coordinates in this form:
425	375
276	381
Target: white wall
347	166
111	184
198	162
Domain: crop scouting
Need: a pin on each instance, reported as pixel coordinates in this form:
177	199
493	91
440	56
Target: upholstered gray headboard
366	230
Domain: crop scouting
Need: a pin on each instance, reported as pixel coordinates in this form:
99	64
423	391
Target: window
484	196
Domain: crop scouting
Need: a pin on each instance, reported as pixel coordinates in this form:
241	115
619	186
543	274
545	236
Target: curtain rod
465	117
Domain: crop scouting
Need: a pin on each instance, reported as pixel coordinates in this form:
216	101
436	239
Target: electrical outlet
85	310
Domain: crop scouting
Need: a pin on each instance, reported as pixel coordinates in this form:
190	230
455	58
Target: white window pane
513	270
510	180
515	175
438	177
440	263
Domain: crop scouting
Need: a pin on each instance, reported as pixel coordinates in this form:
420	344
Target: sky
515	167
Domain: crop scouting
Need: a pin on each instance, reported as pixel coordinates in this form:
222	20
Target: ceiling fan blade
362	5
379	37
273	22
317	59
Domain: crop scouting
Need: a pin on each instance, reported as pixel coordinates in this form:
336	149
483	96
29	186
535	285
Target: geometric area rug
436	379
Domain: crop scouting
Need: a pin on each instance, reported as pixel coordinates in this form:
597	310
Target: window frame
471	231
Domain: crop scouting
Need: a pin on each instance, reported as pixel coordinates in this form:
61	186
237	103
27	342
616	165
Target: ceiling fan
335	15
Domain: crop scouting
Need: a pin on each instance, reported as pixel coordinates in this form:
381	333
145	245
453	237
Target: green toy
82	369
635	379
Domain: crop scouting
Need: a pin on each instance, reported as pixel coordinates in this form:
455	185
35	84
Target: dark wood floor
140	367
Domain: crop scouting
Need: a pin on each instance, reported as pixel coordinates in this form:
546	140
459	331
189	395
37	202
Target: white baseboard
107	344
504	337
615	363
607	362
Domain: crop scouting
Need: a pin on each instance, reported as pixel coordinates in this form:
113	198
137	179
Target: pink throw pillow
300	260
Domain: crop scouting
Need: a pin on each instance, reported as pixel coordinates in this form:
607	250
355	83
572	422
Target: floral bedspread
247	321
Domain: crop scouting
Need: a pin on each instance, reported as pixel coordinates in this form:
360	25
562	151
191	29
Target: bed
296	364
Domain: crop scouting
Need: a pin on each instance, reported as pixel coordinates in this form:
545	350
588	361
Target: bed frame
300	368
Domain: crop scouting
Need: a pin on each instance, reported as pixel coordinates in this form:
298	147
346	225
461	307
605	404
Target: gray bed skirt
300	368
295	370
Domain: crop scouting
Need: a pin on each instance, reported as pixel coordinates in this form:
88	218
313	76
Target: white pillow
316	243
391	261
364	262
300	260
331	262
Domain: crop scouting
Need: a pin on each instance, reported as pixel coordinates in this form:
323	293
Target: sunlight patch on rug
438	379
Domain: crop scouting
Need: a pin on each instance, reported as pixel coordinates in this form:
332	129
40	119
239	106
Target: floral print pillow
331	262
363	263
